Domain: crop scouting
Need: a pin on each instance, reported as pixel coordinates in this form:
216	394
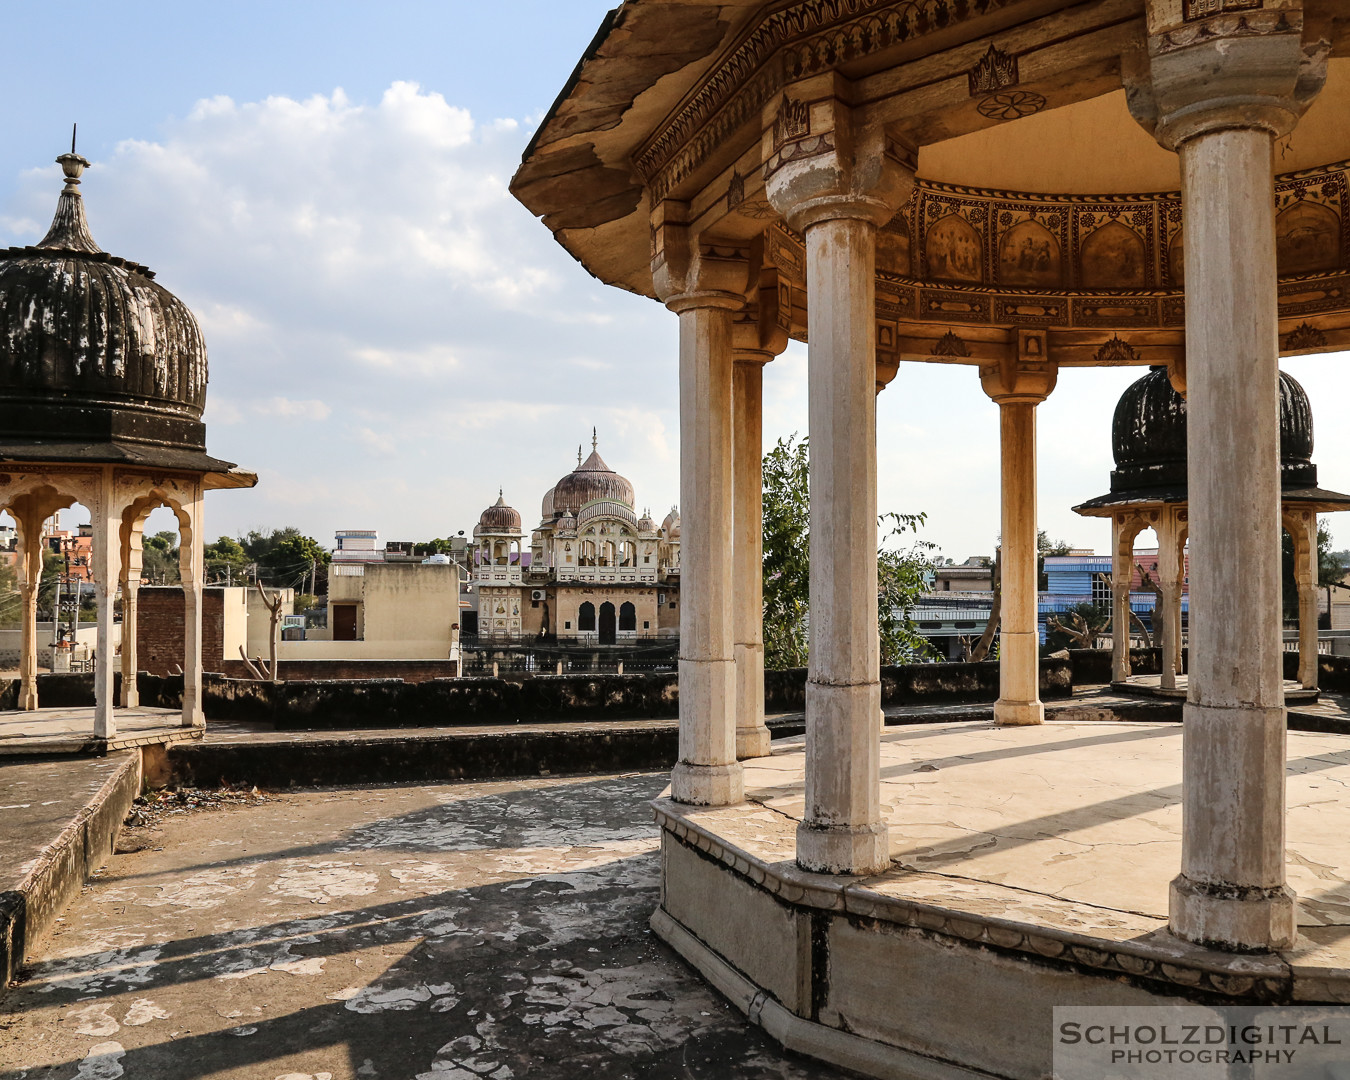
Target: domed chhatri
102	366
94	353
592	479
1148	441
499	518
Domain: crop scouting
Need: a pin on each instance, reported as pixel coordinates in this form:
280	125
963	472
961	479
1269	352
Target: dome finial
578	455
594	440
70	230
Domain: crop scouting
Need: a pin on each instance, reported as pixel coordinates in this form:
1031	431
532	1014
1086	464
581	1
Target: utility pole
313	575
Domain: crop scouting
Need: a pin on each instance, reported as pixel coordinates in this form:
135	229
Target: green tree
439	546
226	558
11	601
903	575
1331	567
787	562
902	571
159	557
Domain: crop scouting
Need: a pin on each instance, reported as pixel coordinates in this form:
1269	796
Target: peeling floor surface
436	932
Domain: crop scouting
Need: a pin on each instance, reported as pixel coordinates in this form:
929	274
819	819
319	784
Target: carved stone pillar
1169	603
1122	566
29	528
131	584
836	185
1019	385
704	285
758	336
1302	526
190	547
104	562
1219	91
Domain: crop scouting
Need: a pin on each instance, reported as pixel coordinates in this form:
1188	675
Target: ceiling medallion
1011	104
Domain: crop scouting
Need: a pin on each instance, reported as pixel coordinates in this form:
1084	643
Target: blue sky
392	337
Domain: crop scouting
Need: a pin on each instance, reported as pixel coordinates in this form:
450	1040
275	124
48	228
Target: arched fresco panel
1029	255
1114	257
953	250
893	247
1176	259
1307	239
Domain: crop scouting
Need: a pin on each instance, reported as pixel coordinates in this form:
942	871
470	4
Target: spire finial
578	455
72	164
594	440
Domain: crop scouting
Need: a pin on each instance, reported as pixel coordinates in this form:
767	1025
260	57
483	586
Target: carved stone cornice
787	45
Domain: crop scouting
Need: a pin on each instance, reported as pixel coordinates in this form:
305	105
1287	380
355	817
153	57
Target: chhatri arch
1014	186
103	383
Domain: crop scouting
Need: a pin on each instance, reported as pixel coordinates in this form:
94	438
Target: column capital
1018	380
760	332
819	165
696	270
1236	69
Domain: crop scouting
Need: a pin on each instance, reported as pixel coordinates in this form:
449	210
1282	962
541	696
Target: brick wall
159	629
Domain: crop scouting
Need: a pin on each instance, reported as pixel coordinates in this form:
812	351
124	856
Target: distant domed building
102	387
596	571
1149	491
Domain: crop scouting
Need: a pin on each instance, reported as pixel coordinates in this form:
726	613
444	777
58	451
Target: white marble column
1220	99
1018	386
842	831
1232	886
104	563
752	735
837	181
707	773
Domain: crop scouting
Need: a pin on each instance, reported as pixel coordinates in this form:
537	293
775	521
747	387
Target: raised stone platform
1151	686
71	730
1030	867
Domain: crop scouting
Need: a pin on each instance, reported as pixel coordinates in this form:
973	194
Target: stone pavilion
103	384
1014	186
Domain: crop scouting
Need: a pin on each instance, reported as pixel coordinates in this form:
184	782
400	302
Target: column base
1232	918
843	849
29	700
752	742
707	785
1018	713
193	718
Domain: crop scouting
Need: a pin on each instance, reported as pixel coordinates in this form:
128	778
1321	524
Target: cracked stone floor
436	932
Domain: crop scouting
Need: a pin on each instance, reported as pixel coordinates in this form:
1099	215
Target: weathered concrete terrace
1047	851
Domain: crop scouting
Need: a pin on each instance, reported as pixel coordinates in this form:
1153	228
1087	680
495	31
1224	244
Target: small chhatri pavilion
1014	186
102	388
1148	491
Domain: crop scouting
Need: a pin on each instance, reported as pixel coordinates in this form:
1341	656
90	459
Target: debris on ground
154	806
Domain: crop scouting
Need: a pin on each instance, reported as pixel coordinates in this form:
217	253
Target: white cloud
368	287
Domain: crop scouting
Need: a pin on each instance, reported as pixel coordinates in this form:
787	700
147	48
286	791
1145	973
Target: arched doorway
607	635
586	617
628	617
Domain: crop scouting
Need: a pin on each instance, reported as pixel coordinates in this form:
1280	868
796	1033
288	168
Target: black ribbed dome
1148	436
93	350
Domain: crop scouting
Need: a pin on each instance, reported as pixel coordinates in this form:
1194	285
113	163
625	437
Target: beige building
595	572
